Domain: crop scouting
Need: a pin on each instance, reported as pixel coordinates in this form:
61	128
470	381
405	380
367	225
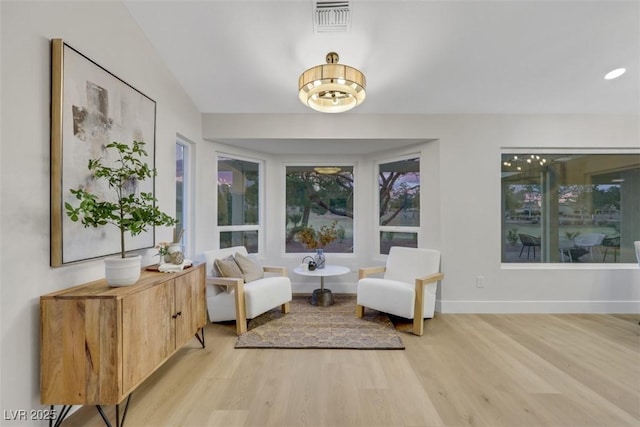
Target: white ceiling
426	57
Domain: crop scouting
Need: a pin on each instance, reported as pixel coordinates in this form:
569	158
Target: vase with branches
317	239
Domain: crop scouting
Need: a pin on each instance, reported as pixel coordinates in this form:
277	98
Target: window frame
417	230
326	163
556	265
261	200
188	174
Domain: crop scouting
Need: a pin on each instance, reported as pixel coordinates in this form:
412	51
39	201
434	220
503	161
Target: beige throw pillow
227	267
250	269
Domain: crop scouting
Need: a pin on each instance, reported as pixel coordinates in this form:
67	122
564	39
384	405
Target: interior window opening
577	208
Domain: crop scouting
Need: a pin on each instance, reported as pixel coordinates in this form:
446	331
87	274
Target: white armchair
408	288
230	298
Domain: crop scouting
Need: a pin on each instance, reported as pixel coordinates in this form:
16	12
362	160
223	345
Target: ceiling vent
331	16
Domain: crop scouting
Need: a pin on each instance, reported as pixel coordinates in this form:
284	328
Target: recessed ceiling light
614	74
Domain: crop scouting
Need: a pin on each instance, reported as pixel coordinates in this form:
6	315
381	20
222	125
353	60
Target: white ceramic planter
122	271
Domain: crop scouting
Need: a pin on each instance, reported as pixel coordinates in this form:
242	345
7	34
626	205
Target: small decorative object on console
175	254
171	253
177	257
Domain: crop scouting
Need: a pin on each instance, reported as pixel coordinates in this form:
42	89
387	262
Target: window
239	203
182	173
399	203
570	207
319	209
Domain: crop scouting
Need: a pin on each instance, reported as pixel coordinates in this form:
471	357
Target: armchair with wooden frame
239	298
408	288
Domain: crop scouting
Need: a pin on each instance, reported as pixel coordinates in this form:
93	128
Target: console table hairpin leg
119	423
57	421
200	337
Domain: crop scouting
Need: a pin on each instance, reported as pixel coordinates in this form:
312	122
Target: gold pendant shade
332	87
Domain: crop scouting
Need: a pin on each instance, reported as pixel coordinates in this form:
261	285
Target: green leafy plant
163	248
131	211
512	236
294	218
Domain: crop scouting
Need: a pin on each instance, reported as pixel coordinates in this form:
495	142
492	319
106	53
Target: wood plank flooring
466	370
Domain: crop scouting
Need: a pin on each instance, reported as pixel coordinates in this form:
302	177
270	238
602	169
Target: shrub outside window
248	239
570	207
399	203
239	203
319	209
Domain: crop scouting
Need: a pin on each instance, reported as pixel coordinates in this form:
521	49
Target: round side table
322	297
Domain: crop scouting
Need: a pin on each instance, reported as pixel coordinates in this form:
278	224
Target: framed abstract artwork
91	107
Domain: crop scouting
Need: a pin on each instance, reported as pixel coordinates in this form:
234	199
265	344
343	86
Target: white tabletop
328	270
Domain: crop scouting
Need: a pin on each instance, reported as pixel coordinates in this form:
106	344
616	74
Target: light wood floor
467	370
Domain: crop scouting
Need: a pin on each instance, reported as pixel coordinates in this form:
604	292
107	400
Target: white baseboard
499	307
595	307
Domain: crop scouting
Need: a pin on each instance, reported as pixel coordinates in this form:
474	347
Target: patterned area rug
308	326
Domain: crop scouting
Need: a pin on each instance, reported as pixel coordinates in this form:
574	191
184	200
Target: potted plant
512	236
129	210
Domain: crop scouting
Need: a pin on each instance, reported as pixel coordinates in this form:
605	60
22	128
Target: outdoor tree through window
319	209
399	203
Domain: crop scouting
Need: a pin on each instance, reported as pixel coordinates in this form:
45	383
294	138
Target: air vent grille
331	16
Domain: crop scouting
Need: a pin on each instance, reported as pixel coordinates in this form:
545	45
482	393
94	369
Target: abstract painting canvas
90	107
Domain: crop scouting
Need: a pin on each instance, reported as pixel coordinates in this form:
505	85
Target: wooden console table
98	343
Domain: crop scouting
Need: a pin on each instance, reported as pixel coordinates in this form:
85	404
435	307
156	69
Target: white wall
466	226
105	32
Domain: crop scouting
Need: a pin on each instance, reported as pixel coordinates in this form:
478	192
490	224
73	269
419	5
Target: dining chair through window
528	241
637	245
589	241
613	244
566	246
